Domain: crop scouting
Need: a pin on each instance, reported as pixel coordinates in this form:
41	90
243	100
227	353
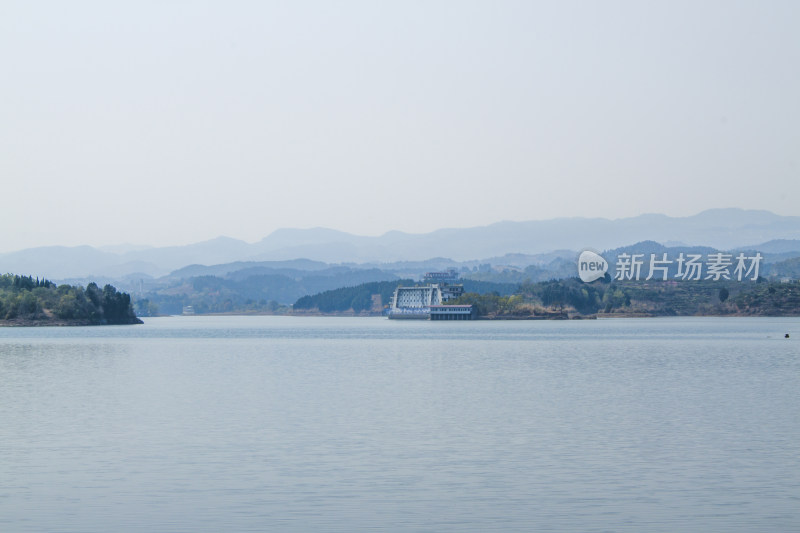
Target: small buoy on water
786	336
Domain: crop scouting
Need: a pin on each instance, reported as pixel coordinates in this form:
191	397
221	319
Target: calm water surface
337	424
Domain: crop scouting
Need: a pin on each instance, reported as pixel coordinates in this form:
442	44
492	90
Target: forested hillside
572	297
359	298
254	290
28	301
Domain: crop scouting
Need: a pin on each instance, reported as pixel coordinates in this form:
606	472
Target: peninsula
28	301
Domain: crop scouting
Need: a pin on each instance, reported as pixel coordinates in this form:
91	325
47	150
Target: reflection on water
299	424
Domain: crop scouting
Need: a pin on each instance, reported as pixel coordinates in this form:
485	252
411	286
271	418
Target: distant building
448	277
188	310
417	302
453	312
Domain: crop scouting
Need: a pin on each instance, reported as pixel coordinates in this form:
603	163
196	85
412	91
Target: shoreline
594	316
47	322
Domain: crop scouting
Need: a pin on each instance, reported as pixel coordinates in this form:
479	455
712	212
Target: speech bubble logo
591	266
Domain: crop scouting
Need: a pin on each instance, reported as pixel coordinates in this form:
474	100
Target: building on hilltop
448	277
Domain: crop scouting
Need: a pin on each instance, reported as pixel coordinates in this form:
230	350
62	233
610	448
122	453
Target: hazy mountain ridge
723	229
266	286
269	287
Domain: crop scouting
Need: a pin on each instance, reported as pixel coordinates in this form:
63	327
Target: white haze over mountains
167	123
724	229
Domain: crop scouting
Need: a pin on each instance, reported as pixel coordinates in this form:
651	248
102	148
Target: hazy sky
172	122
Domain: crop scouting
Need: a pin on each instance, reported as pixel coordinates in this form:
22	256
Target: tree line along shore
25	300
572	298
28	301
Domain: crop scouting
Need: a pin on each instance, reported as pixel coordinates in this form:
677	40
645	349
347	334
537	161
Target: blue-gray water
337	424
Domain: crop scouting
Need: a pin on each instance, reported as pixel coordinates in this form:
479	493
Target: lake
345	424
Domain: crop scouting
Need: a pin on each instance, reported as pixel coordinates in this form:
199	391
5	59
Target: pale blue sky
173	122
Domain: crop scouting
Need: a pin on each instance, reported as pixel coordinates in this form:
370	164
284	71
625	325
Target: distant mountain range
264	286
513	243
